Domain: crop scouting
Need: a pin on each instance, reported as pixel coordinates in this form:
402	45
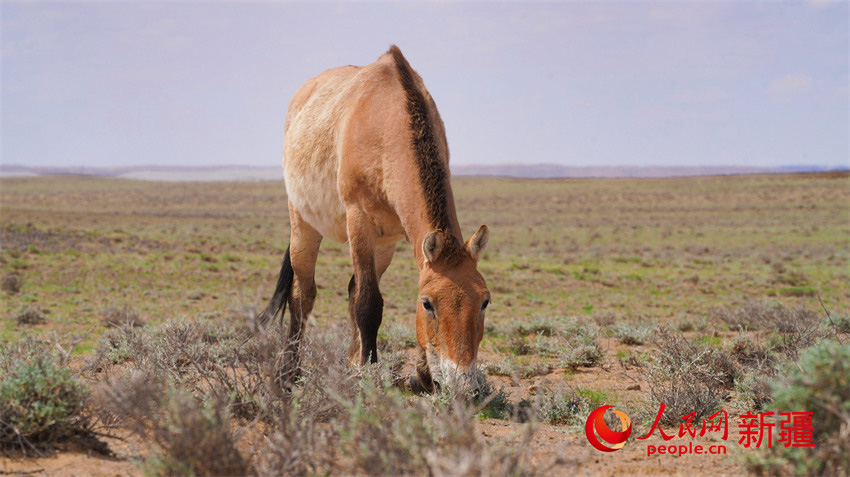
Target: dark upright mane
432	170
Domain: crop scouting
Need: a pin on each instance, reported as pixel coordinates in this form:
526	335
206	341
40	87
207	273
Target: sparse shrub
440	438
41	402
10	283
302	444
794	328
791	343
754	391
686	325
182	346
116	345
336	419
394	336
725	366
818	383
573	343
389	371
629	360
197	355
120	316
505	366
515	345
29	315
753	355
605	319
192	437
540	326
840	324
760	363
28	349
688	377
567	409
383	434
570	408
375	428
755	315
567	340
633	335
510	366
583	355
493	404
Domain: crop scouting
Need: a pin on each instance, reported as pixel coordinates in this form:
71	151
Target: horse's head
450	310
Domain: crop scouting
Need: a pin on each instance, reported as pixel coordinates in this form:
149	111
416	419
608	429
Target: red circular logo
596	426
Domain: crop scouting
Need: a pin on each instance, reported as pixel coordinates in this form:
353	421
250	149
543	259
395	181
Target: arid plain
697	292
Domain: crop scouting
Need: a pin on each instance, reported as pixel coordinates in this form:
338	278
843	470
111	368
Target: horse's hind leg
383	257
304	245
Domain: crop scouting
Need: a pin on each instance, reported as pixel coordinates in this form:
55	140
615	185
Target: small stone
195	295
635	387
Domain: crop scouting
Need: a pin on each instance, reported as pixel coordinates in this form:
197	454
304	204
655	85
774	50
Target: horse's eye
426	304
485	304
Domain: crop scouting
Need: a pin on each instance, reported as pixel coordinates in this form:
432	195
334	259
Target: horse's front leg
366	306
383	258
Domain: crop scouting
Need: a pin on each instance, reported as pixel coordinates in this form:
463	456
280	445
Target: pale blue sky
575	83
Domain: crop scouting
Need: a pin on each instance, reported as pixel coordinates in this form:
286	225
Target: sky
624	83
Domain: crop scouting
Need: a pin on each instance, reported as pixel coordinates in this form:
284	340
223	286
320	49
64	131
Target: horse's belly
313	193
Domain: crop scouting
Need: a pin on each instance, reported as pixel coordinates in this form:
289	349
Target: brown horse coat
366	162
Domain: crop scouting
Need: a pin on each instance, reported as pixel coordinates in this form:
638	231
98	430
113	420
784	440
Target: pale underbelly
317	201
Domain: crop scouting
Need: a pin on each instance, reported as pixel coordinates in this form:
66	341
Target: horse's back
335	126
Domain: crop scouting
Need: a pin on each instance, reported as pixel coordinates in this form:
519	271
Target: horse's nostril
416	385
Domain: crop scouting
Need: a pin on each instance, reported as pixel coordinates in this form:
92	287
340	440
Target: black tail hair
281	293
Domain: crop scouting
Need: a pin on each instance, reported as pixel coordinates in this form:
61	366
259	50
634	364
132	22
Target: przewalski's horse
366	162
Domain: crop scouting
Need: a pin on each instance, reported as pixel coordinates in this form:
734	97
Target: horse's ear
478	242
433	245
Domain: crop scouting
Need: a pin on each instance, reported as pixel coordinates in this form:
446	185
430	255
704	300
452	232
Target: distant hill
154	173
553	171
526	171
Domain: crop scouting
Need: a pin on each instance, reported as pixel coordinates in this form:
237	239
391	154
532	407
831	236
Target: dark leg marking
368	308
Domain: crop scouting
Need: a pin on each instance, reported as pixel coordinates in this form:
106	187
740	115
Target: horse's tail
281	294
